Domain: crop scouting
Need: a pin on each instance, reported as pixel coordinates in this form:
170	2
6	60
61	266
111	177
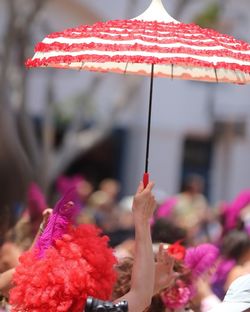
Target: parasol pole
146	174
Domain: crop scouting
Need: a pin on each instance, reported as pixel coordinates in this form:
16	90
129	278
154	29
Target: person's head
84	190
9	254
17	240
124	273
111	187
165	231
237	298
100	201
193	183
123	284
236	246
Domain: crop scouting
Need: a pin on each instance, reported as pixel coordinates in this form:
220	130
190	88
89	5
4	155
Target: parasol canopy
152	44
177	50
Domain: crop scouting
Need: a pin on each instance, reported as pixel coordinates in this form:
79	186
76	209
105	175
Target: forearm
142	281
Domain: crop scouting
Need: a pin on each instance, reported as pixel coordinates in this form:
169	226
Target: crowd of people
145	252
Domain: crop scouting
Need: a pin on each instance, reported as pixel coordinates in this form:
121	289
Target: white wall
231	170
164	154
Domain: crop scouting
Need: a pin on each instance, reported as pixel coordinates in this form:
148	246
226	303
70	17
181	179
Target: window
197	154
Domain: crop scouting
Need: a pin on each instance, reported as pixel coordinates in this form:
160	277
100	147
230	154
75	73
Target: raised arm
142	281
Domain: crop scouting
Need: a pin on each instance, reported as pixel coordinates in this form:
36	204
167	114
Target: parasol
153	44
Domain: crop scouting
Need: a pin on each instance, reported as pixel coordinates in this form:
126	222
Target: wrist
142	229
142	224
141	219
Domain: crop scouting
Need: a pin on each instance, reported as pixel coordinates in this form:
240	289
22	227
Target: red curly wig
78	265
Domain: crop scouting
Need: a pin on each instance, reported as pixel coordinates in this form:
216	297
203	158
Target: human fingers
47	212
159	255
140	188
161	248
143	196
169	261
150	186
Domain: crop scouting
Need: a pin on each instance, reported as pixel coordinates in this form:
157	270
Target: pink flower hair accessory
178	296
190	264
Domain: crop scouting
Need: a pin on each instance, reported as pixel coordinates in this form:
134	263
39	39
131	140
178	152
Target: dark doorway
104	160
197	156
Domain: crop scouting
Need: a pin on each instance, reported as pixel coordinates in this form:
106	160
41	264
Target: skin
143	272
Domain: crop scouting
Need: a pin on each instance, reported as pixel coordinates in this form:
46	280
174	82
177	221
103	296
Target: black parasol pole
146	175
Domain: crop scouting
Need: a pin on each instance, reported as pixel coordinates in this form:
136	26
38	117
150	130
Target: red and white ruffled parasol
177	50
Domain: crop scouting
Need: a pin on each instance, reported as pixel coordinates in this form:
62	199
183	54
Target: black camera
96	305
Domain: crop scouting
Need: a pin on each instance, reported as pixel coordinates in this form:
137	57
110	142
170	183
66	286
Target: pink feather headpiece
63	214
201	258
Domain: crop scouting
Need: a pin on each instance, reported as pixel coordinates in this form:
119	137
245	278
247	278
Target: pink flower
178	296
